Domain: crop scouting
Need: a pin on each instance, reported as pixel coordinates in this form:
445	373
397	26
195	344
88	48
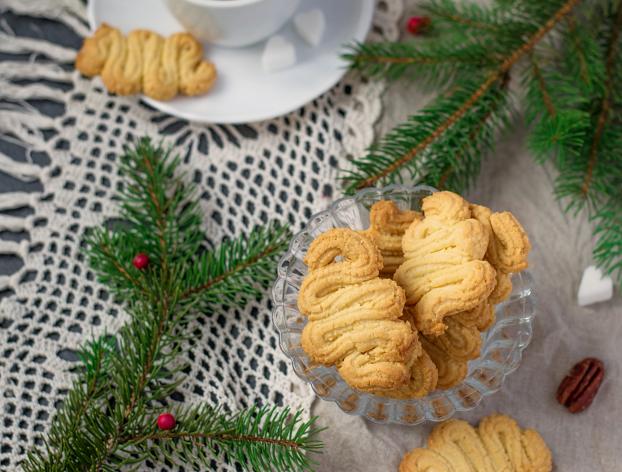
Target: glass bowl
502	344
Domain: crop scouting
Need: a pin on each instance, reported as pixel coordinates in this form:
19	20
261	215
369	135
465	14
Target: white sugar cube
595	287
310	25
278	54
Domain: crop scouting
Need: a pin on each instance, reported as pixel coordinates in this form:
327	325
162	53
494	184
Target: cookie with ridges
458	341
460	445
422	381
425	460
443	271
387	226
451	371
92	57
511	449
450	290
361	263
146	62
537	451
508	245
160	78
447	206
353	314
481	317
503	288
497	445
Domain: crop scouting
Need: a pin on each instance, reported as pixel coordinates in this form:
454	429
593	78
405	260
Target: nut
580	386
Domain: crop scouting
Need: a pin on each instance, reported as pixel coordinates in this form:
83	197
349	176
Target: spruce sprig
398	158
108	420
451	162
223	275
568	57
278	439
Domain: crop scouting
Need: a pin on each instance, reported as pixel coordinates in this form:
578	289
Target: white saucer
244	92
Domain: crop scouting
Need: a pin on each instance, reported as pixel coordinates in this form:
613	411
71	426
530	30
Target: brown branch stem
411	60
505	66
115	439
159	219
580	54
164	313
158	436
76	418
546	97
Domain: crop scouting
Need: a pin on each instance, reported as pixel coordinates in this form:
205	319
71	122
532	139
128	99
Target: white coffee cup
233	23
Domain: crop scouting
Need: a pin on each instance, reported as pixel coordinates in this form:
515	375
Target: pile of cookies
498	444
399	308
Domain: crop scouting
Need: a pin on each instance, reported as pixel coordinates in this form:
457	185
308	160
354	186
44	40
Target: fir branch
97	428
265	438
371	170
559	125
247	262
111	254
431	62
456	174
159	206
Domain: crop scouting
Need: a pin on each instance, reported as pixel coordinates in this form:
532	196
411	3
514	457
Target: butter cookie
451	371
354	315
422	381
458	341
512	449
497	445
443	272
146	62
387	227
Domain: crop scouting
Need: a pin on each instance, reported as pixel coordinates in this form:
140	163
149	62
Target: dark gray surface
60	34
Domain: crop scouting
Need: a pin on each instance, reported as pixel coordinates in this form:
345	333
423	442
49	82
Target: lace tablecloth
71	131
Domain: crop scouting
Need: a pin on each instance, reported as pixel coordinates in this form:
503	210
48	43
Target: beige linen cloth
564	332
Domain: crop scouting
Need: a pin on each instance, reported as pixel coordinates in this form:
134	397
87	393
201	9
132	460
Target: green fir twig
108	420
449	112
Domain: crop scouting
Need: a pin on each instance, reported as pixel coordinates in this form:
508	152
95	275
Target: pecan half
580	386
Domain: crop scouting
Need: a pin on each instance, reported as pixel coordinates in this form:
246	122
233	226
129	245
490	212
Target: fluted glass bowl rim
502	346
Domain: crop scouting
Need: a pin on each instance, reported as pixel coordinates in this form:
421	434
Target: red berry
166	421
141	260
417	24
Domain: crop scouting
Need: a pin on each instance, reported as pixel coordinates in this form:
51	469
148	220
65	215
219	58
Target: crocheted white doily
281	169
